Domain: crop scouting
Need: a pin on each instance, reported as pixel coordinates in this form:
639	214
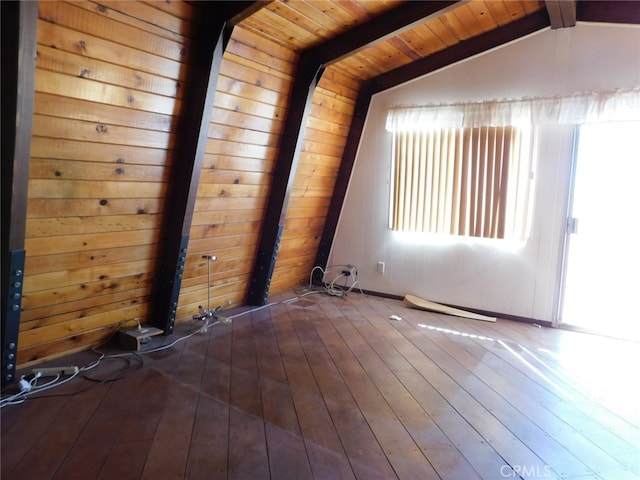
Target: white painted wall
482	274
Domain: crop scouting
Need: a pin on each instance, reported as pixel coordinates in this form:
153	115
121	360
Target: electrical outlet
381	267
54	371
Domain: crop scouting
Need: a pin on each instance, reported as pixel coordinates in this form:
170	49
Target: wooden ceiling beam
19	43
609	11
212	37
233	11
392	23
465	49
400	75
307	78
310	68
562	13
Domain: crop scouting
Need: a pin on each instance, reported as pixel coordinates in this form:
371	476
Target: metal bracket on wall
11	322
176	283
265	263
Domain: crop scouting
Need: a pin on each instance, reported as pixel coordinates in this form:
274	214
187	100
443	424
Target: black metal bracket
265	263
11	317
175	285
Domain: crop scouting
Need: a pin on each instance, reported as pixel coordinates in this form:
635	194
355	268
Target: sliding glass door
602	266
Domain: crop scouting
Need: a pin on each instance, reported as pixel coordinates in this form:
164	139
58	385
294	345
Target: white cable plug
24	385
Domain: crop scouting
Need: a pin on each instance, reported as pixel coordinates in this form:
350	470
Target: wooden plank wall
109	83
109	86
250	107
325	140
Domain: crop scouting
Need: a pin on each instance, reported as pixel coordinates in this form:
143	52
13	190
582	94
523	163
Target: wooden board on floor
417	302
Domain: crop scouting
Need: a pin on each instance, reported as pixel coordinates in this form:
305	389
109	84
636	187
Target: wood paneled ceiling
302	25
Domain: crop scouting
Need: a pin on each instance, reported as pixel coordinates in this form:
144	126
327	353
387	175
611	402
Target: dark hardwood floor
329	388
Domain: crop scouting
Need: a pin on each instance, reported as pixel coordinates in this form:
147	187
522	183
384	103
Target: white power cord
347	272
30	387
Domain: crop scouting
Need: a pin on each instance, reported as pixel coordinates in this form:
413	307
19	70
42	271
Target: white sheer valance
601	106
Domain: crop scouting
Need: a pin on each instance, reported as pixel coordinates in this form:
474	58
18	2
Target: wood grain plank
580	411
247	450
314	211
76	327
45	208
482	15
170	448
91	448
20	421
570	444
83	243
37	354
325	450
179	9
84	43
445	458
124	459
100	132
75	17
209	448
337	80
248	457
321	136
232	190
233	276
74	170
140	22
229	133
250	44
360	443
231	162
310	158
41	317
155	16
242	120
49	227
207	214
76	292
76	412
60	189
65	277
500	436
326	373
233	177
554	455
72	108
343	345
250	106
499	12
259	82
280	30
42	147
262	153
206	230
257	66
425	384
287	453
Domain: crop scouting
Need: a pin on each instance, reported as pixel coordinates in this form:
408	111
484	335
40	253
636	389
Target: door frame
557	320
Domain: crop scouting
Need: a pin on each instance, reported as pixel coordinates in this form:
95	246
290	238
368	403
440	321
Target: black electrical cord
119	374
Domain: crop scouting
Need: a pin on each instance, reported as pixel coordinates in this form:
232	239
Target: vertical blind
467	168
463	181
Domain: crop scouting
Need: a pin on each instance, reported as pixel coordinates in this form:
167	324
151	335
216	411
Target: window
473	181
467	168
